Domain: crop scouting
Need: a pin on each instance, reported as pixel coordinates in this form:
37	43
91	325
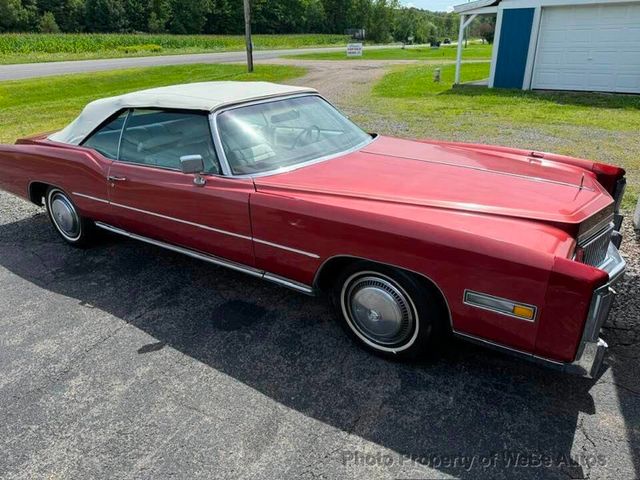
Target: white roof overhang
477	7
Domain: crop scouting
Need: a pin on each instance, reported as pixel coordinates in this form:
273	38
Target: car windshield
272	135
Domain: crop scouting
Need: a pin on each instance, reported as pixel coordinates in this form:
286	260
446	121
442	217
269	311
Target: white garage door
594	47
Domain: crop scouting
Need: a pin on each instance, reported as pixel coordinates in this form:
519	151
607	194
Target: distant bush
48	23
149	47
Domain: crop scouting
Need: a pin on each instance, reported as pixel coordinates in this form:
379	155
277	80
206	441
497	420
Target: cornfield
31	43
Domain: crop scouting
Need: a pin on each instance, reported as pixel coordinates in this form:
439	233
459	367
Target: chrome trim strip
613	264
496	304
213	259
510	350
602	300
226	167
95	199
198	225
591	349
586	365
185	251
602	218
604	229
124	125
204	227
301	287
480	169
289	249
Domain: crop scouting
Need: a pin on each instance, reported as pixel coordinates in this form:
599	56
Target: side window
159	138
105	140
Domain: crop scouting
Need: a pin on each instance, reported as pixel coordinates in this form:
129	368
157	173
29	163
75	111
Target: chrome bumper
592	348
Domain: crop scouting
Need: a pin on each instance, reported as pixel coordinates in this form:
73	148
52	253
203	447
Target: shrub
48	23
149	47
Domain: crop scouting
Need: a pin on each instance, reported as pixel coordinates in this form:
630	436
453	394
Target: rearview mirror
192	164
285	116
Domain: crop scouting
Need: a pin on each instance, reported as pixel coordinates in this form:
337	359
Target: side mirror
192	164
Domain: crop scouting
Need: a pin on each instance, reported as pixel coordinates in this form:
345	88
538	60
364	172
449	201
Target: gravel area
339	81
127	361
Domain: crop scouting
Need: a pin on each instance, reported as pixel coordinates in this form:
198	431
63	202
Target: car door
150	196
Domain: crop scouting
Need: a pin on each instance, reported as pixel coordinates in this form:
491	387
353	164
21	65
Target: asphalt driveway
127	361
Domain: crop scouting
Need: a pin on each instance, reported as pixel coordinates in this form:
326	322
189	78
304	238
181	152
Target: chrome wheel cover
64	216
379	311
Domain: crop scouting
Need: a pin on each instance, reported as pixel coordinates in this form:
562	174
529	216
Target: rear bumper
592	348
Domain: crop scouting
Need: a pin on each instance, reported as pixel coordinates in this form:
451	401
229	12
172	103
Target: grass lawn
446	52
36	47
602	127
46	104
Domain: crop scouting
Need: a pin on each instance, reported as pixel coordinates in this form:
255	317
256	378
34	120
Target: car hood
450	177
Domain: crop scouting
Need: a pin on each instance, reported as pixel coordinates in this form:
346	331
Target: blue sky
434	5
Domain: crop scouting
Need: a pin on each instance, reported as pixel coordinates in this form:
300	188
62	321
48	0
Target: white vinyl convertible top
203	96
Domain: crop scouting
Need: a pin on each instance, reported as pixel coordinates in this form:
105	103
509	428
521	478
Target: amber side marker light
524	312
504	306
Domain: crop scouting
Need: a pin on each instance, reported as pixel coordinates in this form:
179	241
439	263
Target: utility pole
247	34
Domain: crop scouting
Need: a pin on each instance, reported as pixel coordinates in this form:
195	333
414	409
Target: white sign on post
354	50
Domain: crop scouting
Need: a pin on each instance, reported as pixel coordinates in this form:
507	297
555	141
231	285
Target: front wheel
390	311
70	225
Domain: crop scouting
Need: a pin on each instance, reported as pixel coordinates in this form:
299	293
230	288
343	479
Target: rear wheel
389	311
70	225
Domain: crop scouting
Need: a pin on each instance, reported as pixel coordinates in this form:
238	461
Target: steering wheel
308	132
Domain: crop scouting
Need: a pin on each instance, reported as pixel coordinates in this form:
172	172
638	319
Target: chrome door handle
113	178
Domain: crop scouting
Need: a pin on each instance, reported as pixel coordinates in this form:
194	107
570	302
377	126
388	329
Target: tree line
383	20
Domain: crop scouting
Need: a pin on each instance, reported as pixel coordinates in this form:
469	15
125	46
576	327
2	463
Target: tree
486	31
10	12
277	16
17	16
159	14
449	26
105	16
313	16
225	16
48	24
405	25
381	20
189	16
68	14
425	31
137	14
336	12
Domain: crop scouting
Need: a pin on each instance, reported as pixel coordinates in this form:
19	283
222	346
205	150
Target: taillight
608	175
618	193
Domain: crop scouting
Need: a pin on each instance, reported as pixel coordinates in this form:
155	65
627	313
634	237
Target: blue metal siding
513	49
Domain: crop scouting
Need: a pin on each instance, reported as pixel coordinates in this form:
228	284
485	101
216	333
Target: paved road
30	70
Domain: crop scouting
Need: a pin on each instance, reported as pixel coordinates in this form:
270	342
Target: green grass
419	81
34	47
602	127
46	104
472	52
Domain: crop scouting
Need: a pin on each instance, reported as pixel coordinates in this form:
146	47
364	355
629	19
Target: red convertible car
516	249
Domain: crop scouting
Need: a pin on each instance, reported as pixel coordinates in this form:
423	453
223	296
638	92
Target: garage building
582	45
